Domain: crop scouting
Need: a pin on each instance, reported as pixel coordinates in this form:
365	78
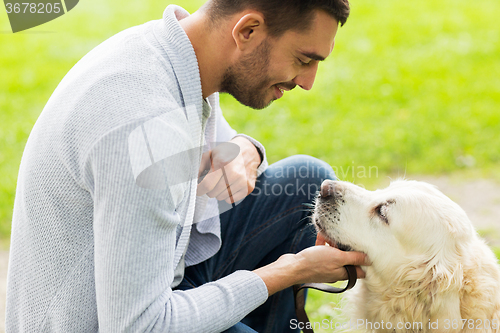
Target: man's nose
305	78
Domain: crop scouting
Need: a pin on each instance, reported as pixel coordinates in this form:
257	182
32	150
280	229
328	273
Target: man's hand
323	264
232	170
326	264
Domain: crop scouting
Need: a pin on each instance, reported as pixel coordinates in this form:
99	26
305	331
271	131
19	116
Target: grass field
411	87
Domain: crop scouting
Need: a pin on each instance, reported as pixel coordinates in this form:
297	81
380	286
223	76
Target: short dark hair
281	15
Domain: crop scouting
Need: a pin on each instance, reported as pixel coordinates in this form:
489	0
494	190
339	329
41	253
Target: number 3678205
33	8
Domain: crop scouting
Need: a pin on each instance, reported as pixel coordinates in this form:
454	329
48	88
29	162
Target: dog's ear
435	276
447	276
432	286
445	306
447	279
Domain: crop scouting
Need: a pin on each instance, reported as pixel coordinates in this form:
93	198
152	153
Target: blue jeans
268	223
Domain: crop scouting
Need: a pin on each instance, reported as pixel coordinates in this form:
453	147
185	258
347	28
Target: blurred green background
411	88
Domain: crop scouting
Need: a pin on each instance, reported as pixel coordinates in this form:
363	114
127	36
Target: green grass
497	252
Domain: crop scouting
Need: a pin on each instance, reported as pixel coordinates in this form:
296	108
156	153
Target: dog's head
408	222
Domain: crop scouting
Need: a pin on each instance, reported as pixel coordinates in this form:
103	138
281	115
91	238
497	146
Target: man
116	221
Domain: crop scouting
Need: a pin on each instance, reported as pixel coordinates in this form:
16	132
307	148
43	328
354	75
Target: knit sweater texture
106	214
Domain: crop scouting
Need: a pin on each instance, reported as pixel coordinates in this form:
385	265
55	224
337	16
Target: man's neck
209	49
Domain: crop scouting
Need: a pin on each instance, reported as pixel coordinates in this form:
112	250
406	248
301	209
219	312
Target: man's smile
281	88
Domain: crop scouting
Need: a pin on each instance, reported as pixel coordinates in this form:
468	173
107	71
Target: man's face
280	64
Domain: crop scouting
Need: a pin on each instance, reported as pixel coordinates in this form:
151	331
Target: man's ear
249	31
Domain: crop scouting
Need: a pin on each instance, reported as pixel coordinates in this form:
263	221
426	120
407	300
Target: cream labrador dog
431	272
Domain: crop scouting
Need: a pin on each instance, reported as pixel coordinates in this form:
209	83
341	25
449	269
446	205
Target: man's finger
360	272
320	240
209	182
356	259
224	188
237	196
205	163
239	187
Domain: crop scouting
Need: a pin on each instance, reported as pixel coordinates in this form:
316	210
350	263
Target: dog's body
430	273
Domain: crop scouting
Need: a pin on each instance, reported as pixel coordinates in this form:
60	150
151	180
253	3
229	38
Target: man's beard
247	81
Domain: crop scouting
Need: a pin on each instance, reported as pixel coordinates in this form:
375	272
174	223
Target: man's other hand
232	170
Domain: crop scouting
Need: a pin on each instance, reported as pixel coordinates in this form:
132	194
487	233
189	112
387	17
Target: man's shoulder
131	53
125	72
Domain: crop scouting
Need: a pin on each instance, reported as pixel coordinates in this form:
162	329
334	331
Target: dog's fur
428	263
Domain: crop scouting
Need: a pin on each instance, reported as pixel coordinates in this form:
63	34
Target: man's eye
302	63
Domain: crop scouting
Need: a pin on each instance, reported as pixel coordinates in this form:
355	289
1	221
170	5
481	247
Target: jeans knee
305	167
298	175
240	328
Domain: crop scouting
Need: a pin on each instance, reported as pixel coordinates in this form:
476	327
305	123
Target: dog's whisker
302	219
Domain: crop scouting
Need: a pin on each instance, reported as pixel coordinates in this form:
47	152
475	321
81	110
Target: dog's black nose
327	189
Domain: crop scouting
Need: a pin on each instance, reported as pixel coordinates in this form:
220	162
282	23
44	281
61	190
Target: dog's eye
381	211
